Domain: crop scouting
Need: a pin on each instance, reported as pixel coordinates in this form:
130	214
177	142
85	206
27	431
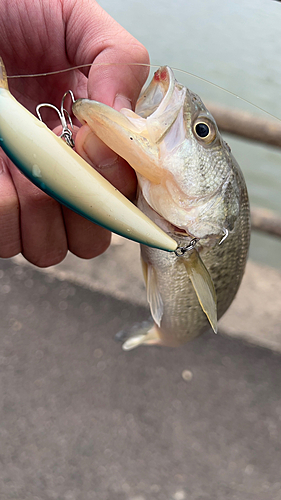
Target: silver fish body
192	187
183	318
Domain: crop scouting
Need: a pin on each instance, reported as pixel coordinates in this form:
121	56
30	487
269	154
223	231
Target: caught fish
191	186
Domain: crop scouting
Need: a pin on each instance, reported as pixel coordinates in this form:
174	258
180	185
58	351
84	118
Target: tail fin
3	76
148	337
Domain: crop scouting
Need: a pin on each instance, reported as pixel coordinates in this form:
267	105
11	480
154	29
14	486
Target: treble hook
66	134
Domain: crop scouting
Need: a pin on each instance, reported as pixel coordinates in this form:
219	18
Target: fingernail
121	102
98	154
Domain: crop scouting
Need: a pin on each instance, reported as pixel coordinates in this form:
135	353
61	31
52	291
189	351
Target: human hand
48	36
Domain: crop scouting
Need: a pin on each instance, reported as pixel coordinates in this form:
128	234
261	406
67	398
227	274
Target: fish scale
183	318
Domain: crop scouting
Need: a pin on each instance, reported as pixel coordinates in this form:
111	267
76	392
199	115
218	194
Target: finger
10	238
106	162
92	35
85	239
117	85
43	235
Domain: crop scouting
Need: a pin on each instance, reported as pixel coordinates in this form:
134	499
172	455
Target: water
236	45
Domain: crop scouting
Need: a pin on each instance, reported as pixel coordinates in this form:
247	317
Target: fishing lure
49	163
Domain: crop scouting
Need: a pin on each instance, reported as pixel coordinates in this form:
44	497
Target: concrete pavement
255	314
81	419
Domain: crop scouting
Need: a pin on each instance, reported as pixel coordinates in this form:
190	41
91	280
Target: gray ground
81	419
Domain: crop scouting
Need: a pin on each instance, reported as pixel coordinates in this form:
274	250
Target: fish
191	186
49	163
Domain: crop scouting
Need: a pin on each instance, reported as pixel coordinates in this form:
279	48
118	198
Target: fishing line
81	66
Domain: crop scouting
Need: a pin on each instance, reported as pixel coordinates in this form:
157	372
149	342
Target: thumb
119	70
120	62
111	166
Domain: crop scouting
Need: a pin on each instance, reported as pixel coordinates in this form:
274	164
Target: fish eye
204	130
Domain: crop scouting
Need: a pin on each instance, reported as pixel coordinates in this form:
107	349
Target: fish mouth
135	136
159	89
146	137
160	104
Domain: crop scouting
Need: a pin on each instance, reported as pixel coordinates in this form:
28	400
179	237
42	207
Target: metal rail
247	125
252	127
266	221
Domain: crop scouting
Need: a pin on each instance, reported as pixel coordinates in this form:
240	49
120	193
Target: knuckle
46	259
10	241
39	199
10	249
89	250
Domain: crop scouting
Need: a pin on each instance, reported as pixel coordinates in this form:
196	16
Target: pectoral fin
203	286
153	295
144	267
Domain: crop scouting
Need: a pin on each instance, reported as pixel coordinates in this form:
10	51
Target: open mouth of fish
136	135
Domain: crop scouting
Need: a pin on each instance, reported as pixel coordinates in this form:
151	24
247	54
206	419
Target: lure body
60	172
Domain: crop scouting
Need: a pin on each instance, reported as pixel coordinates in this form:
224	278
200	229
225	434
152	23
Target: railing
266	221
247	125
254	128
